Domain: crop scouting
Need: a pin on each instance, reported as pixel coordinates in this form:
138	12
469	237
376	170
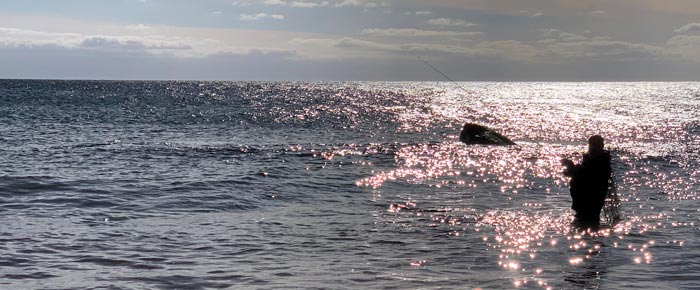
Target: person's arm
571	168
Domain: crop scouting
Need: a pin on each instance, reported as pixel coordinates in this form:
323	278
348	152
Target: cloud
531	14
349	47
690	27
13	37
297	4
362	3
410	32
178	41
425	13
511	41
354	3
303	4
686	47
450	22
10	36
563	7
601	49
138	27
260	16
74	63
508	50
561	36
314	3
561	47
107	43
685	41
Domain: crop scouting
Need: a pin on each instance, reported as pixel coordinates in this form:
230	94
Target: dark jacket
589	186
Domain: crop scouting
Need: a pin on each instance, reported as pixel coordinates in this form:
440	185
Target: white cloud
418	13
51	31
216	13
304	4
563	7
686	47
690	27
450	22
260	16
138	27
275	2
117	44
596	12
14	37
565	36
361	3
561	36
296	4
531	14
549	31
410	32
685	41
314	3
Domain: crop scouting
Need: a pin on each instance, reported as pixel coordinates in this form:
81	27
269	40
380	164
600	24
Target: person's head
596	143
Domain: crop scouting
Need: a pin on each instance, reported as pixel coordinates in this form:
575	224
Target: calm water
246	185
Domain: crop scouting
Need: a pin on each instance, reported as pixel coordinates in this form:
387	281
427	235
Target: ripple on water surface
235	185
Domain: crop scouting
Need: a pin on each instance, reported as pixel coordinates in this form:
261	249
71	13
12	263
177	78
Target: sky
351	40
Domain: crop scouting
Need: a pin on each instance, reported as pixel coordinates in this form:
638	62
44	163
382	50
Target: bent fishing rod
463	89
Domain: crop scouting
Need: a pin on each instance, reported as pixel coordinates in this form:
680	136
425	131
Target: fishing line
463	89
611	208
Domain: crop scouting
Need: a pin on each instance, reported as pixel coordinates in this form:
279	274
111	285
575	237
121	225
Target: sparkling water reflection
249	185
655	159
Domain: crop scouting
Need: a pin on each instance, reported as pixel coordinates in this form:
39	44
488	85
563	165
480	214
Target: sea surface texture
259	185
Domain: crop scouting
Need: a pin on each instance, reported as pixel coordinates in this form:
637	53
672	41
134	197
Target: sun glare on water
516	198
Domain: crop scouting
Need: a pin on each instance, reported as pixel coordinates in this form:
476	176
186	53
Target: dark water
253	185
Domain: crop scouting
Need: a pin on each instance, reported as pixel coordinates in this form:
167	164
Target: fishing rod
611	209
463	89
441	73
435	69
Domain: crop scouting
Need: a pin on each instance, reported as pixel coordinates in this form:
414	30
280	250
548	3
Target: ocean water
257	185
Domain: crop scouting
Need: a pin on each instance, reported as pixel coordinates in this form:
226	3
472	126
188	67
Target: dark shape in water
477	134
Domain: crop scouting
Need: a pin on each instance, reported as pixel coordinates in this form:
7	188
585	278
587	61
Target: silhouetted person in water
589	183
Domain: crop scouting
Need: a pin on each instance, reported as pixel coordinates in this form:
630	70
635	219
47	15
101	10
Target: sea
341	185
